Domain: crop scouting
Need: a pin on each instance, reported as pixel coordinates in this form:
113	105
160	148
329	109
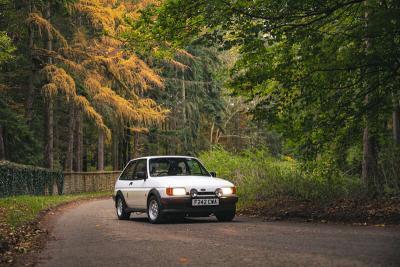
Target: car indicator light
175	191
169	191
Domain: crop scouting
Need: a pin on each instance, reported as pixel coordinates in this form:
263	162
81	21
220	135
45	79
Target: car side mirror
141	175
213	174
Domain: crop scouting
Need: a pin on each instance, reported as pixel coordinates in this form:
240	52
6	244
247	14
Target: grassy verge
21	209
19	228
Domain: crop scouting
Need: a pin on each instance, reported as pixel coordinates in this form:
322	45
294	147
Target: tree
306	64
71	52
6	49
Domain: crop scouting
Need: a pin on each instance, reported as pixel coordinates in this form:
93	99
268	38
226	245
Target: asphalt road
91	235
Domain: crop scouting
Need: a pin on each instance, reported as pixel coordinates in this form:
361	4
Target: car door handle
131	183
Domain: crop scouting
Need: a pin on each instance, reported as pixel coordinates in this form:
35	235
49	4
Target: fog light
219	192
193	193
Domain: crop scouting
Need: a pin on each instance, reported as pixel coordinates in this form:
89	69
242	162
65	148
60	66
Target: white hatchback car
173	185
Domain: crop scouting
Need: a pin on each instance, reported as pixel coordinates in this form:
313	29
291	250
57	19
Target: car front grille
205	194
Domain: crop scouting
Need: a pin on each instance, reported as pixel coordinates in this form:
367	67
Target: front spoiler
184	205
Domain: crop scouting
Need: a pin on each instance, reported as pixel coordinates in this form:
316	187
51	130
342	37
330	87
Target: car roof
157	157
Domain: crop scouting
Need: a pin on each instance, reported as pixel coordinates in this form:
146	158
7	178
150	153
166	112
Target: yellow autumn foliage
114	79
59	82
43	25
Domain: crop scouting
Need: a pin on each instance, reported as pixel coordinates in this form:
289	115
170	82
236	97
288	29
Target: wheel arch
119	195
153	192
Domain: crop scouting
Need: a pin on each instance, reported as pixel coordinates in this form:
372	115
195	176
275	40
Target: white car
173	185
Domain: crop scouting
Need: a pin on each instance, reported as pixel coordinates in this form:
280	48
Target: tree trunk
100	151
121	150
396	123
217	136
2	150
211	134
369	162
124	150
114	151
32	74
135	144
78	143
84	161
70	146
183	95
128	144
49	147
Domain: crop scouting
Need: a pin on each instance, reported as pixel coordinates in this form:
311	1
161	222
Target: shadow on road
187	220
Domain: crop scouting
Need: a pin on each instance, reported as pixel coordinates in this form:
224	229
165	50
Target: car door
137	198
125	181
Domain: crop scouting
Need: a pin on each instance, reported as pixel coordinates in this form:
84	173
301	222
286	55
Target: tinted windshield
176	167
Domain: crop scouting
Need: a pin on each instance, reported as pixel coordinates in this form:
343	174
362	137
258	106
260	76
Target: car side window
195	168
141	166
128	172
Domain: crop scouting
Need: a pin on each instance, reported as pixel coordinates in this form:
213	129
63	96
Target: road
90	235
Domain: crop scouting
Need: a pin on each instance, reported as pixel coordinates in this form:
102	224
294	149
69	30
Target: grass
22	209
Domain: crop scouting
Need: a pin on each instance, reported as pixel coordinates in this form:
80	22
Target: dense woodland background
298	98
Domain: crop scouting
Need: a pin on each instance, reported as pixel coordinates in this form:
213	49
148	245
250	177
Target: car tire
226	216
120	207
154	210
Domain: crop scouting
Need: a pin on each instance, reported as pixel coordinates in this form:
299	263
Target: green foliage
196	71
22	146
17	179
258	176
22	209
319	72
6	48
389	164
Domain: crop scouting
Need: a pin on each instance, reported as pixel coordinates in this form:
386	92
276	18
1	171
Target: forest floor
21	218
379	211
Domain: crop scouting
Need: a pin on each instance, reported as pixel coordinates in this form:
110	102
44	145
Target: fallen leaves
183	260
379	212
16	240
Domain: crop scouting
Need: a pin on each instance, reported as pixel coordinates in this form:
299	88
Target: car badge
202	190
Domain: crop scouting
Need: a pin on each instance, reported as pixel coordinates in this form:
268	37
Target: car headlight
225	191
176	191
218	192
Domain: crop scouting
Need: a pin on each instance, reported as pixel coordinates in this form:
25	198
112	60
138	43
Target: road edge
45	222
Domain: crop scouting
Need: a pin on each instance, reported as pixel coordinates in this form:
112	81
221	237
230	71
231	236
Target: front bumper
184	205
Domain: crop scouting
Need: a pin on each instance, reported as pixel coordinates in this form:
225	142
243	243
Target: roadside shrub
17	179
259	175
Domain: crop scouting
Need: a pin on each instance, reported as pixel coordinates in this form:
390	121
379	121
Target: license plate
205	202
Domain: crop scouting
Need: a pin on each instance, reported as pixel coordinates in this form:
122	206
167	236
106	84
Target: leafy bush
17	179
258	175
389	169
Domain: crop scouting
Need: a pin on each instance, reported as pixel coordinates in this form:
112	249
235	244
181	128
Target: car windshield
176	167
